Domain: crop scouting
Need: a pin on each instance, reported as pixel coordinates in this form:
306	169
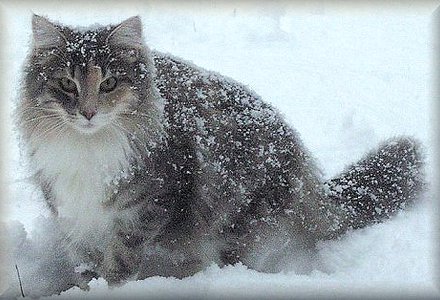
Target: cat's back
242	159
224	118
237	143
191	91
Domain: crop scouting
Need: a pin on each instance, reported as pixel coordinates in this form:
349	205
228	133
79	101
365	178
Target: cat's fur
178	167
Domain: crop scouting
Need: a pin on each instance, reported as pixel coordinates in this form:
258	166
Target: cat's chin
87	129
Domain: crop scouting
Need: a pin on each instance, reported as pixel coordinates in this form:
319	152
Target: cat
153	166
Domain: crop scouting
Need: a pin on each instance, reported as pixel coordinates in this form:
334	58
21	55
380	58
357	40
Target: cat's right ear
46	34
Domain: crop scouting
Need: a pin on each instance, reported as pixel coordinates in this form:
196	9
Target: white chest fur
81	170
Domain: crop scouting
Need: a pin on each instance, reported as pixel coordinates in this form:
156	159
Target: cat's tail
385	181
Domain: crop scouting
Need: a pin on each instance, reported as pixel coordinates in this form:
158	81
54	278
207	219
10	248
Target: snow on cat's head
83	80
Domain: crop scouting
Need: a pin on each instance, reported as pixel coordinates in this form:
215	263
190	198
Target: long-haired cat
153	166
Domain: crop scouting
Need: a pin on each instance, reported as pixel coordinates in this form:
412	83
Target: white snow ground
346	77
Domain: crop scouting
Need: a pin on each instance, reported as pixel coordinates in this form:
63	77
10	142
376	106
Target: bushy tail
379	185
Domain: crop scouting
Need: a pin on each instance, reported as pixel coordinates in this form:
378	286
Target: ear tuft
128	33
46	34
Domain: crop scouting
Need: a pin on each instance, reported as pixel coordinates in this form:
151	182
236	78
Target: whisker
61	130
38	126
39	108
126	131
132	137
61	55
115	122
36	111
50	129
63	59
40	118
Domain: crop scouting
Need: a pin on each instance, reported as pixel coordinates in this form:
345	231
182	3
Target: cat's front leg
122	257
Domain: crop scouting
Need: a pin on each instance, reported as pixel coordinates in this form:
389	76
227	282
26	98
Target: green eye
68	85
108	85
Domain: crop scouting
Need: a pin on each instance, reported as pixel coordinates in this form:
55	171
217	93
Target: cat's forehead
87	45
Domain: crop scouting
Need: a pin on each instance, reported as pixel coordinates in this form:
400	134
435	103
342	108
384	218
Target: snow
345	77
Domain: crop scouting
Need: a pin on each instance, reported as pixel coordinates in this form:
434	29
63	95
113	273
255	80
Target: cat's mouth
88	127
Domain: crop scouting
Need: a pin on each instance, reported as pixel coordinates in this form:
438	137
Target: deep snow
345	78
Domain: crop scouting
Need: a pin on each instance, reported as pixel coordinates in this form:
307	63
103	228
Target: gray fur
45	34
215	173
128	33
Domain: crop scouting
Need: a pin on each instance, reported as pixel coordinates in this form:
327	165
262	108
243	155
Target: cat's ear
46	34
128	33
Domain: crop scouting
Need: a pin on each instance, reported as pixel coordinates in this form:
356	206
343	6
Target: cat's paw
114	272
115	278
84	279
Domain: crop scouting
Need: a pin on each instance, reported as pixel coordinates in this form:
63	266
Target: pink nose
89	113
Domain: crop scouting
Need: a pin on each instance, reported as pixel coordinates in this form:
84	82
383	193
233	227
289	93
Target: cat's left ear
128	33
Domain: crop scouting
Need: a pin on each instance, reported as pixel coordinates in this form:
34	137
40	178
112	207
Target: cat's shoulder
176	77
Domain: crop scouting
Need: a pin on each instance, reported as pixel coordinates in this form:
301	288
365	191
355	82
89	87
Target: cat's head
85	79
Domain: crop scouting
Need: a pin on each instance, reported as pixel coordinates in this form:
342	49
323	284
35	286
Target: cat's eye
108	85
68	85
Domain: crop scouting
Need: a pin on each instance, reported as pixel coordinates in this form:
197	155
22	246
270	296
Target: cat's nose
89	113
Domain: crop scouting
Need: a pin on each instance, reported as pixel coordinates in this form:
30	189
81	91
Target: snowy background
346	77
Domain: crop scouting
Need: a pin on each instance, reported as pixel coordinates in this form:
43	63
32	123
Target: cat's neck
101	157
